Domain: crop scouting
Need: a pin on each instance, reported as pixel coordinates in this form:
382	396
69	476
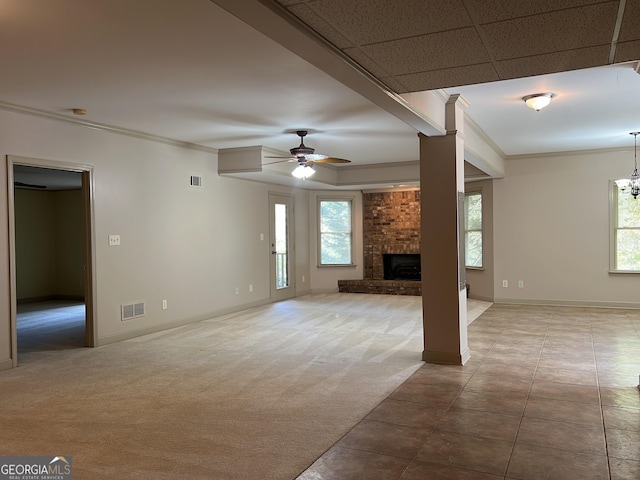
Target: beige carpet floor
258	394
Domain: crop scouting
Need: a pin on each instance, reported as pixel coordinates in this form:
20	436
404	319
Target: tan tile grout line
604	430
513	446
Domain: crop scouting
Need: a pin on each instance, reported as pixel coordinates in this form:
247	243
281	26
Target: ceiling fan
306	157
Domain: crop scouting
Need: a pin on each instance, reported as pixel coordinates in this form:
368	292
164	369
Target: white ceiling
190	71
594	108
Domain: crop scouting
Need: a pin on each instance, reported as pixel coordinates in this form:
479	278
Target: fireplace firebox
401	266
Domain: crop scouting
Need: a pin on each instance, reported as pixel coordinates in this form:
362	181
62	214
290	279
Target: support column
444	299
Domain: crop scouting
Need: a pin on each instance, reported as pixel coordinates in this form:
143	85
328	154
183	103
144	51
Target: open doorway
51	259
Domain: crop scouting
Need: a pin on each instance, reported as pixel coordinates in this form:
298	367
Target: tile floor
549	393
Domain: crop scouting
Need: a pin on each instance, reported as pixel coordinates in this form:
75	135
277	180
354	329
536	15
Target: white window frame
481	230
613	228
351	201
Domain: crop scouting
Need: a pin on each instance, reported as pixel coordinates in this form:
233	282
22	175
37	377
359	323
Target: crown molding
102	127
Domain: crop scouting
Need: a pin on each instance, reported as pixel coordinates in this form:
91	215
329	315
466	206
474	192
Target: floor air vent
132	310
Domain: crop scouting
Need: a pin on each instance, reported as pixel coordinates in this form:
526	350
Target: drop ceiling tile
371	21
487	11
319	25
394	85
627	51
553	62
365	62
449	77
629	28
552	32
429	52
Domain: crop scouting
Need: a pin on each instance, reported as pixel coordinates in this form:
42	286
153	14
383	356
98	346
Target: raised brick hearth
385	287
391	224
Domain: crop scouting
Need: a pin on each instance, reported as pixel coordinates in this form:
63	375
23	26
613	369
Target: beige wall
551	226
191	247
35	244
69	243
49	244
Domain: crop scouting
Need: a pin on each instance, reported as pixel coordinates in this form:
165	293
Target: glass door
281	241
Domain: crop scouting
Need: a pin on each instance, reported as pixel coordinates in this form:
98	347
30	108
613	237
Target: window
473	230
335	231
625	220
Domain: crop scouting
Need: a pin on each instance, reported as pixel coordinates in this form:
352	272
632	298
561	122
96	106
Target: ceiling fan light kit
303	171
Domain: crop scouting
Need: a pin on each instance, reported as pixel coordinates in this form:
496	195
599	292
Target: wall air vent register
132	310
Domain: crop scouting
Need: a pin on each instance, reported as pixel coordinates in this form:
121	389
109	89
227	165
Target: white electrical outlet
505	283
237	290
164	304
114	239
520	283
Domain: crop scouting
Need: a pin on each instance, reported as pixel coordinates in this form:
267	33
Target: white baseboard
177	323
446	358
481	298
567	303
6	364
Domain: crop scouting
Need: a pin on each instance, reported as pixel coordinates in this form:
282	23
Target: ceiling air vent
132	310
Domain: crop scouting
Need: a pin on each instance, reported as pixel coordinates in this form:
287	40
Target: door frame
91	331
289	291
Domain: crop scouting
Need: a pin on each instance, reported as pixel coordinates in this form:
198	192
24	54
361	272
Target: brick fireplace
391	225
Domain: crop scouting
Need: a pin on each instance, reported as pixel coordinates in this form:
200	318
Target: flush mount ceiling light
634	180
303	171
537	101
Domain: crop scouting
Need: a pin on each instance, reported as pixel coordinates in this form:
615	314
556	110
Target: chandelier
634	181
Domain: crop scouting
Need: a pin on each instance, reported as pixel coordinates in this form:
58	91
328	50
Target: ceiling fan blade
282	160
332	160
